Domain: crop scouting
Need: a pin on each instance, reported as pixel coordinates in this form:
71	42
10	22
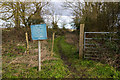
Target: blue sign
39	32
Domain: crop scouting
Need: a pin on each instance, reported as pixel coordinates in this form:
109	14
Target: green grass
53	69
57	68
50	69
21	49
90	68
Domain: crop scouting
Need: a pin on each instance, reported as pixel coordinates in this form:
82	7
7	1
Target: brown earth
10	42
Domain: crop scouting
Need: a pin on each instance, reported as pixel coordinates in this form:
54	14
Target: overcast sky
65	15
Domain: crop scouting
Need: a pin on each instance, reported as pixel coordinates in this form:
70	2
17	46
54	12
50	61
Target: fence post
27	44
81	41
52	44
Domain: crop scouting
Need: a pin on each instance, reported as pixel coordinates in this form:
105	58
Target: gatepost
81	41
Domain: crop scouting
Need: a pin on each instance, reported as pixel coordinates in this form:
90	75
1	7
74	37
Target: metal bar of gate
95	38
101	32
91	47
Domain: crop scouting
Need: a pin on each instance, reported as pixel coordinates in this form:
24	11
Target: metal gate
92	42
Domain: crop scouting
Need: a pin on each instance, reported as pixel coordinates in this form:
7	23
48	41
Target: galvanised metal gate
91	43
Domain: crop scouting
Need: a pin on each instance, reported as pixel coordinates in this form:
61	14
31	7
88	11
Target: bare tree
54	18
21	12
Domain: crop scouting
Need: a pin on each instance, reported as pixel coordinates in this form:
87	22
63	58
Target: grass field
25	65
64	63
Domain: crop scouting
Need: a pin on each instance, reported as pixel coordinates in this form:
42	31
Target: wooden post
27	44
52	44
81	41
39	56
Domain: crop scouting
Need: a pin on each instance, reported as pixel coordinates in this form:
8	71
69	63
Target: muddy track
72	69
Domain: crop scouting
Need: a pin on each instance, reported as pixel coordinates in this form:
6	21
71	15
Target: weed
10	54
84	67
21	49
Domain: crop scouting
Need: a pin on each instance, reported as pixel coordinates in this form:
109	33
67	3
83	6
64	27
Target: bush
109	51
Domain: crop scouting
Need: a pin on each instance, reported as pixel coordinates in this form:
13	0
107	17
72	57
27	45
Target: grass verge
84	68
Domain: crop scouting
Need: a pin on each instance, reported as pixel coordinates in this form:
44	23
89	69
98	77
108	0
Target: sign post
39	32
39	56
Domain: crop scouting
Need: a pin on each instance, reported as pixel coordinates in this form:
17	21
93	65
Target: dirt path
73	70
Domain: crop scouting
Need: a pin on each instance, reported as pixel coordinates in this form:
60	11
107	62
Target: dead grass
31	60
12	56
72	39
